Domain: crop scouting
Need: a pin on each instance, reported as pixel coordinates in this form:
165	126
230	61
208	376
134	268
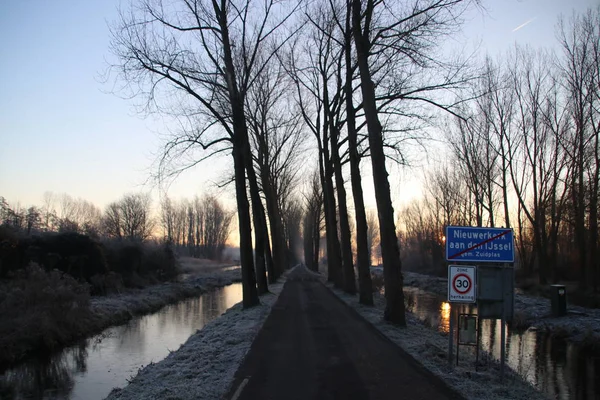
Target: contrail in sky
523	24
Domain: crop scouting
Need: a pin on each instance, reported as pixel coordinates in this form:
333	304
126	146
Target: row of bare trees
129	218
199	227
526	154
253	78
366	77
211	65
58	213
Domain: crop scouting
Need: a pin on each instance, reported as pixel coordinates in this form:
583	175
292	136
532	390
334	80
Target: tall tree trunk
394	310
579	203
249	292
349	280
334	264
260	227
593	214
316	240
505	191
363	256
593	240
307	235
269	254
240	143
275	223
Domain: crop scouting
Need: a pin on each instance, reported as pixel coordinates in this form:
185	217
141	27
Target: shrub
11	251
160	261
41	310
73	253
111	282
141	263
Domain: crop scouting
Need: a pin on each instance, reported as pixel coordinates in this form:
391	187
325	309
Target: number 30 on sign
461	284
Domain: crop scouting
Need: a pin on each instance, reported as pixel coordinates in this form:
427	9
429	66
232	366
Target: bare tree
136	220
111	221
580	65
312	221
129	218
167	218
372	233
217	225
276	137
204	55
396	35
312	67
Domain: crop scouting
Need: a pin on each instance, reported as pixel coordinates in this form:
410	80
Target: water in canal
561	369
93	367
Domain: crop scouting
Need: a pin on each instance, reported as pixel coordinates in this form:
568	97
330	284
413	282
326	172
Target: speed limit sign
461	284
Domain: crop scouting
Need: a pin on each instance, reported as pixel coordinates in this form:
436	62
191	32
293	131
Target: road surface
313	346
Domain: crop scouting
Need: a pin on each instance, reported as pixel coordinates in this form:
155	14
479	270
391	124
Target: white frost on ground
118	308
580	324
204	366
430	348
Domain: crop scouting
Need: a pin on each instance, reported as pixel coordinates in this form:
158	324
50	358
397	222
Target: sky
63	130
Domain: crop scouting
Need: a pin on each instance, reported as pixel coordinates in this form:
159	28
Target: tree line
257	80
525	154
265	82
203	225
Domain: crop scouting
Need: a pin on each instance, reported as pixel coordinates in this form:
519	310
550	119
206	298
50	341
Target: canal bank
116	309
205	365
90	369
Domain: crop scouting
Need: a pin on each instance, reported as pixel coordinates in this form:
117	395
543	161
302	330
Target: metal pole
477	341
458	335
502	331
451	335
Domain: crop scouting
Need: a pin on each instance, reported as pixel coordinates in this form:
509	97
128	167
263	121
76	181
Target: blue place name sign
467	243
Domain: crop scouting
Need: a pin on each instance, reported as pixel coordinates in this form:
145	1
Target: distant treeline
111	249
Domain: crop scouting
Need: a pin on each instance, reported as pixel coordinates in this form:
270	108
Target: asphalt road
313	346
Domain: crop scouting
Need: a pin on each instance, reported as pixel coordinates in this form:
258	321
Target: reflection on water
561	369
92	368
445	317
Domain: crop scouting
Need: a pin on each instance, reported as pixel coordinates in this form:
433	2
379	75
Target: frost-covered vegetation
68	270
43	311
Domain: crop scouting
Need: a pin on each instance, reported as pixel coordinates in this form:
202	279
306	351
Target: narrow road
313	346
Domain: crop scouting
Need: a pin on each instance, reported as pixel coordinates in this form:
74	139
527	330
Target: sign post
494	286
461	289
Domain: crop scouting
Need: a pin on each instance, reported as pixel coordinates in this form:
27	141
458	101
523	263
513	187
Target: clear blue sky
61	131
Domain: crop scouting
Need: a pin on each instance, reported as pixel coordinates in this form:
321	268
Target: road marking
238	392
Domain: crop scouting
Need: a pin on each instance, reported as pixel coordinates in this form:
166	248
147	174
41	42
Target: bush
72	253
11	251
102	285
141	263
41	310
78	255
160	261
